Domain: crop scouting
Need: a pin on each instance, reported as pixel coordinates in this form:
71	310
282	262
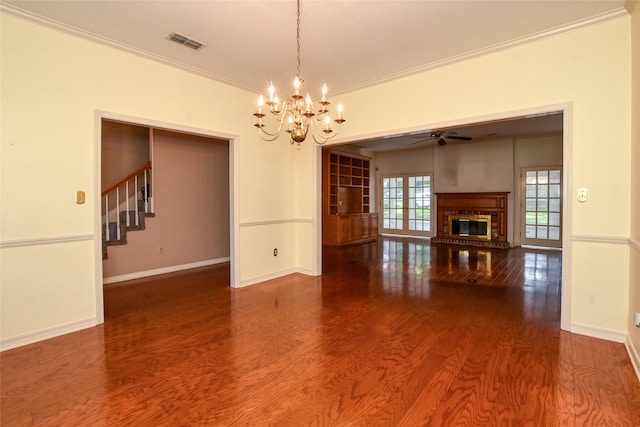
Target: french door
542	207
406	205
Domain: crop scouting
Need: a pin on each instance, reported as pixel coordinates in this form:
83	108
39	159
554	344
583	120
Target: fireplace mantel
494	204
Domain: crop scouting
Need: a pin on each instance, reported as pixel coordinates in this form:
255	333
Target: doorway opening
541	202
191	187
407	205
462	170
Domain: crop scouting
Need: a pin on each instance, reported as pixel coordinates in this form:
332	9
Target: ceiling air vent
179	38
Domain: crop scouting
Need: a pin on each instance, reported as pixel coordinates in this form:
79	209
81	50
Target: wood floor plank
609	364
588	407
397	332
470	402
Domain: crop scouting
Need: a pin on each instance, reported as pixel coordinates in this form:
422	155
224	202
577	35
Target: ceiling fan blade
423	138
421	141
447	134
462	138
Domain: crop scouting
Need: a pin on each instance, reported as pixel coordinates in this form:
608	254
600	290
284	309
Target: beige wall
474	167
634	282
191	201
588	72
417	160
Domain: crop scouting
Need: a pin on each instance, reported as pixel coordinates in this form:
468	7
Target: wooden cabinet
352	228
346	199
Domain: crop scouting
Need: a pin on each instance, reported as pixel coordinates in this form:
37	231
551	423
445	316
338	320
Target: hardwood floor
395	333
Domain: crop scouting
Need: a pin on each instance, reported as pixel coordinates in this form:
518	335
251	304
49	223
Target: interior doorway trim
567	162
99	116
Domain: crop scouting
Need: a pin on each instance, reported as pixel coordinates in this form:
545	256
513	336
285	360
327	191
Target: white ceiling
347	44
545	124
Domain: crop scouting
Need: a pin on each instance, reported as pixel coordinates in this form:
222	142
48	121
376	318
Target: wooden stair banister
127	178
121	208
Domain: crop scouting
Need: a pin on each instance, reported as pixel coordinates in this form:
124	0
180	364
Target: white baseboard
307	272
260	279
633	356
163	270
45	334
604	334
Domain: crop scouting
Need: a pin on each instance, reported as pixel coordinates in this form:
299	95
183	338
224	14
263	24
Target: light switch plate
79	197
583	194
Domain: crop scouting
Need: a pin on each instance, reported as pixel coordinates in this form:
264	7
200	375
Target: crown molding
489	49
88	35
622	11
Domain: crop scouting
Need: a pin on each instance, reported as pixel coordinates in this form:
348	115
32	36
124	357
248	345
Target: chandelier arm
269	136
316	134
264	132
317	141
266	136
320	117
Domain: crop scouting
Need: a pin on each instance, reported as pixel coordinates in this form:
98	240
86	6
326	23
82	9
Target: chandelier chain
298	39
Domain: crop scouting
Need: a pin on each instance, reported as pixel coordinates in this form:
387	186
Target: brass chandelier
297	114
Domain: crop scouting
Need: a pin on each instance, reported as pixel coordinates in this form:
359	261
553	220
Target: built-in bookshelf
346	199
348	190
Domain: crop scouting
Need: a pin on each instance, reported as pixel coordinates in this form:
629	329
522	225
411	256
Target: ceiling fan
442	136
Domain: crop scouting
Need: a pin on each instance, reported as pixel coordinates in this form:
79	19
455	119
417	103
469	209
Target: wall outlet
275	251
636	319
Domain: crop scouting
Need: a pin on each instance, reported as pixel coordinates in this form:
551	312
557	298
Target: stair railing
133	180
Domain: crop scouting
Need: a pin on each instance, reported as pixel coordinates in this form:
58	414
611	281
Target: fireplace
472	219
477	227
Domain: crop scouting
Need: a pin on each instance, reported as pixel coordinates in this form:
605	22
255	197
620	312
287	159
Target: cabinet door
365	226
355	226
343	229
373	225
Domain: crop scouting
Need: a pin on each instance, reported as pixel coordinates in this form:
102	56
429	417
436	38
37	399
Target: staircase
125	207
124	229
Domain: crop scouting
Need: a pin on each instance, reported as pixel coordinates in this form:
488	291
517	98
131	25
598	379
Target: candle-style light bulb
308	103
324	92
272	91
260	103
340	111
296	85
327	120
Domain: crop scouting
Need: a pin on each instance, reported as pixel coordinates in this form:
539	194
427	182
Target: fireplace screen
476	227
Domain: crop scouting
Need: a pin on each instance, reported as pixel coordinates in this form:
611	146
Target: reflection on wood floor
395	332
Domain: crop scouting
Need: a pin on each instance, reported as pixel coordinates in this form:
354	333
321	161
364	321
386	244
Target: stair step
115	242
124	228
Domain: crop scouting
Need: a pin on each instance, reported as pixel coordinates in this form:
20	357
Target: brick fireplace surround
494	204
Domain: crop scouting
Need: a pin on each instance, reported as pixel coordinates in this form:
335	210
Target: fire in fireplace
477	227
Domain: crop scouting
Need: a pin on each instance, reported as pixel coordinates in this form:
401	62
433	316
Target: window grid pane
542	204
420	203
392	202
